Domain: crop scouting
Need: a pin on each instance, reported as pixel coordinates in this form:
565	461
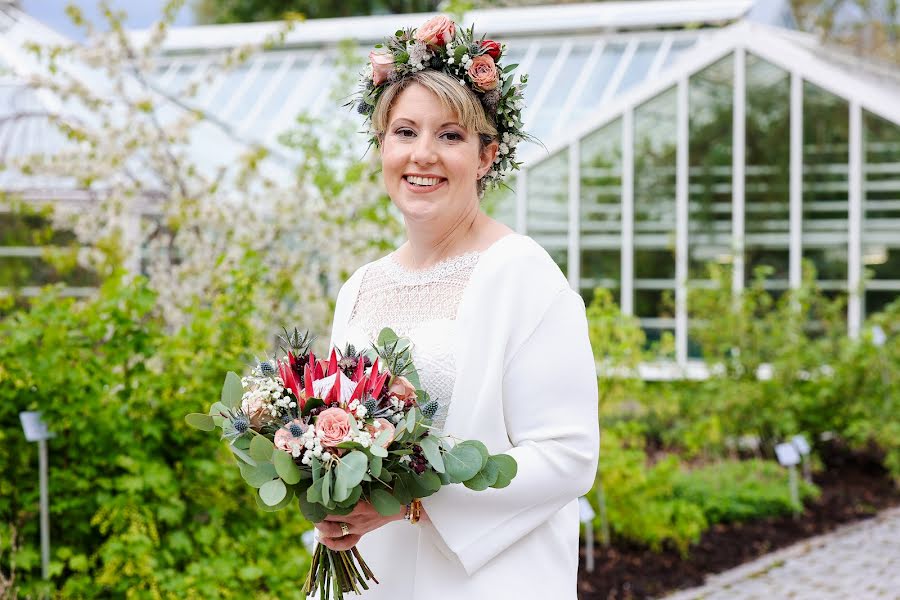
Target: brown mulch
854	487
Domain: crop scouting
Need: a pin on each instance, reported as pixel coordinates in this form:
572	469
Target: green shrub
141	506
740	490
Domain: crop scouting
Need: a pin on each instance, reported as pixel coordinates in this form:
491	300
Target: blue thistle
296	430
267	368
430	409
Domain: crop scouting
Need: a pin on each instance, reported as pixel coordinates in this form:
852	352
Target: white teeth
422	180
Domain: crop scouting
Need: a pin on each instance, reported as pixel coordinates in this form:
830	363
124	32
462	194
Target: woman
499	338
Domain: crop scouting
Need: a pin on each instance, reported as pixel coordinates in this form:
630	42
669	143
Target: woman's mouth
423	184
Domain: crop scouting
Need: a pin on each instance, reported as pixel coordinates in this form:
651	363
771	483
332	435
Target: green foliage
740	490
247	11
142	506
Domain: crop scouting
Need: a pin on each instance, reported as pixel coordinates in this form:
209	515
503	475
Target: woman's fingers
339	544
332	529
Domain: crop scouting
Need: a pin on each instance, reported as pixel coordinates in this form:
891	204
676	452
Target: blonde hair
456	98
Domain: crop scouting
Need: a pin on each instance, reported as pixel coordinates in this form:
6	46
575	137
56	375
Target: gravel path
859	561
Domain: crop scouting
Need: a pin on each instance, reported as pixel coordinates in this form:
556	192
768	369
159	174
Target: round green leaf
314	493
485	478
261	448
312	511
285	466
284	502
462	462
241	454
432	453
375	464
232	390
273	492
384	502
200	421
351	468
482	449
259	475
507	469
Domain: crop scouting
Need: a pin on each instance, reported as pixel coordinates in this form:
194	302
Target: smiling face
430	162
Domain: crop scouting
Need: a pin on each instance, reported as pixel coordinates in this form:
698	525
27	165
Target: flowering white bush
302	217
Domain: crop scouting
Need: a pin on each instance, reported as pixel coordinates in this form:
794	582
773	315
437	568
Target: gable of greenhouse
758	148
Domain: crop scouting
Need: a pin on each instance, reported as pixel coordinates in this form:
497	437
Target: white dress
522	541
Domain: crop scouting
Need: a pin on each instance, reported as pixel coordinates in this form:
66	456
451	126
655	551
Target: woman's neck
427	246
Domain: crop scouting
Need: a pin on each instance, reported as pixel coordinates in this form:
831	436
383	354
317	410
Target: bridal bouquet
356	427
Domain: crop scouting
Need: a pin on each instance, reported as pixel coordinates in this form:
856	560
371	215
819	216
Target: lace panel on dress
422	306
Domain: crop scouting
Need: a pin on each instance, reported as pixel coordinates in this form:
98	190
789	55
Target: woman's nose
423	151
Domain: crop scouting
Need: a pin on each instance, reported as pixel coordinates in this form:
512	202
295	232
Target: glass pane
881	211
542	123
548	206
767	172
537	71
601	210
639	65
654	203
677	49
283	92
231	82
252	93
711	94
596	84
501	204
825	177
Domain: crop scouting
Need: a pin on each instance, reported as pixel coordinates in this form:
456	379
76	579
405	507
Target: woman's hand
361	521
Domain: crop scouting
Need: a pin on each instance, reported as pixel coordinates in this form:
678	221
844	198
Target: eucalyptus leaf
261	448
242	454
232	390
401	491
217	409
378	451
314	492
432	453
283	504
200	421
273	492
326	488
411	417
429	482
312	511
507	469
316	469
382	438
463	462
285	466
482	449
509	68
352	499
375	466
485	478
351	468
386	336
385	503
259	475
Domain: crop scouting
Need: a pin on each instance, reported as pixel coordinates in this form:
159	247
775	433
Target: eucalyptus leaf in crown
441	45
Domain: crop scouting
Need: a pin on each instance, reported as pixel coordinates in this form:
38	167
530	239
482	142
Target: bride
499	338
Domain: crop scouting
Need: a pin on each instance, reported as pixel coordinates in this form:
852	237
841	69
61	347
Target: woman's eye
404	132
452	135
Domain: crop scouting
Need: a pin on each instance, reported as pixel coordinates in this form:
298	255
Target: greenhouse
674	134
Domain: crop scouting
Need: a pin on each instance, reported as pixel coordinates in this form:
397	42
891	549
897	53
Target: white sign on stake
787	455
799	442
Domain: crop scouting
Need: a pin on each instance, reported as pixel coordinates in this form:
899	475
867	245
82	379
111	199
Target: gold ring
345	529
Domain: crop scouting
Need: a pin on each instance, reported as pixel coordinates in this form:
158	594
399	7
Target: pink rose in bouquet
385	425
333	426
402	390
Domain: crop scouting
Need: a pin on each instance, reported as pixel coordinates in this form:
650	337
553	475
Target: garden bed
853	487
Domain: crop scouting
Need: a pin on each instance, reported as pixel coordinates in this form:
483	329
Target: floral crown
440	45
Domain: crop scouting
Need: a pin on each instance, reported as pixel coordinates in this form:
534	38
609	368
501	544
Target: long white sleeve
549	405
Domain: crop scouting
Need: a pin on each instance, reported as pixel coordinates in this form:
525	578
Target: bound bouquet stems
337	572
332	433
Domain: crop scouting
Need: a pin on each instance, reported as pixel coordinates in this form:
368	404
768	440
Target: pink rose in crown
436	31
382	65
483	73
385	426
333	426
491	48
402	390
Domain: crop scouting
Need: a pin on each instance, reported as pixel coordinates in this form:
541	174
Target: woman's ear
486	160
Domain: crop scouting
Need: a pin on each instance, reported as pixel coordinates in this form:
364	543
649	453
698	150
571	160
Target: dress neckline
450	263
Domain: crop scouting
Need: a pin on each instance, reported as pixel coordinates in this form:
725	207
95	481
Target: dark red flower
491	48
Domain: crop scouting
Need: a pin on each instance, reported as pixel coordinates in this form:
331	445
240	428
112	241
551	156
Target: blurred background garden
720	179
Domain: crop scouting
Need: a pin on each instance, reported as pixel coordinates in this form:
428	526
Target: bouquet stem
332	573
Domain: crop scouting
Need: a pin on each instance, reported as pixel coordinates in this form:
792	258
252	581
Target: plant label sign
34	427
799	442
787	455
